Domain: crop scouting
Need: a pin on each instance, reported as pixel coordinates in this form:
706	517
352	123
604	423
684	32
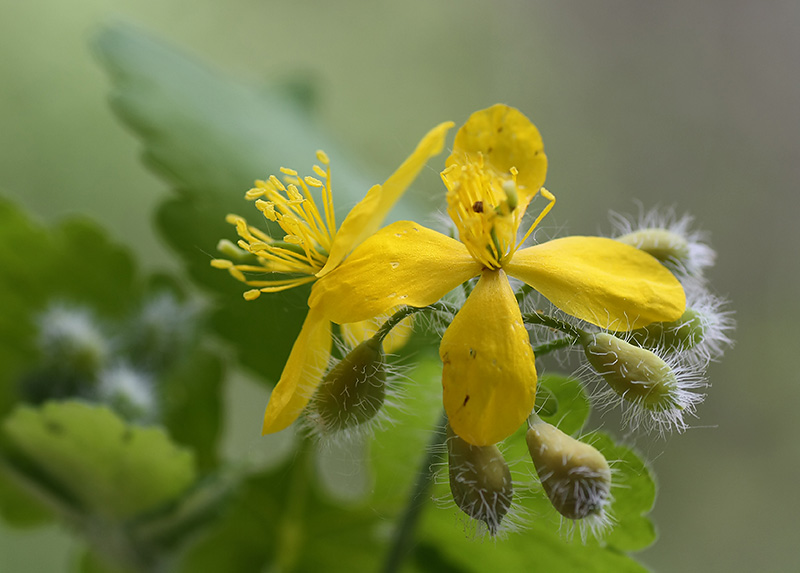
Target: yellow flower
489	377
311	248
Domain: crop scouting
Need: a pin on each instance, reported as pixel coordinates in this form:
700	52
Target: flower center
487	210
308	231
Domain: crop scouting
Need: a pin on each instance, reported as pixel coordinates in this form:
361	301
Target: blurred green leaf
18	508
277	519
540	547
573	405
74	263
210	138
398	448
192	404
106	466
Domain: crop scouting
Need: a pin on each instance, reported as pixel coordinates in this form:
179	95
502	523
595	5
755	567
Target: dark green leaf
192	404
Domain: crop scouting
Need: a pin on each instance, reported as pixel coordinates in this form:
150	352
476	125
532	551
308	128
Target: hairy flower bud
679	335
636	374
72	341
479	480
663	244
574	475
661	388
128	392
354	390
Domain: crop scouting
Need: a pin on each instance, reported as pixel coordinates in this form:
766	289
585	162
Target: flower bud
663	244
354	390
635	374
574	475
128	392
72	342
479	480
677	336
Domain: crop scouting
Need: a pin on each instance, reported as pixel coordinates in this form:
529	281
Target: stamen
552	201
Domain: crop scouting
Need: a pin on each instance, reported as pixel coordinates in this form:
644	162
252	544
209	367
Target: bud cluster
117	365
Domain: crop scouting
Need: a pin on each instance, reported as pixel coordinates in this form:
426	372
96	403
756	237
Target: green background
683	103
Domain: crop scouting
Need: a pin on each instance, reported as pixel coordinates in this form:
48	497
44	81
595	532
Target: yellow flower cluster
496	169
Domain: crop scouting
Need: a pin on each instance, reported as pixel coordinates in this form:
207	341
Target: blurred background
688	104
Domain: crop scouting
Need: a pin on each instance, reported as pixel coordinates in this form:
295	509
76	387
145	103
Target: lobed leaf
94	460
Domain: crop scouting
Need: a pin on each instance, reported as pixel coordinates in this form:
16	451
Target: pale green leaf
105	466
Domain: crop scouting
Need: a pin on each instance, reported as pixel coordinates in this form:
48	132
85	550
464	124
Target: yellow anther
294	194
322	157
252	294
232	219
293	240
320	171
287	171
277	183
221	264
312	181
254	193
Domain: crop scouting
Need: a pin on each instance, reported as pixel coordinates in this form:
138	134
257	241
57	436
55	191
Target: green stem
407	311
557	344
538	317
403	538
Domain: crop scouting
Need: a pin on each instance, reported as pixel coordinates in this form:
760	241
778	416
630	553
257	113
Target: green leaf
634	491
18	508
573	405
104	466
192	404
278	519
539	547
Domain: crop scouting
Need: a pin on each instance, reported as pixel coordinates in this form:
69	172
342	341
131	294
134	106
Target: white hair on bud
669	416
700	255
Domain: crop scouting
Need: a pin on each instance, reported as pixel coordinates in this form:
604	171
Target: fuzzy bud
354	390
663	244
128	392
72	341
677	336
479	480
575	476
635	374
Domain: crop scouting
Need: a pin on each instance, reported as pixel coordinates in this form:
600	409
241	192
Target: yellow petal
505	138
601	281
356	332
366	217
301	375
489	375
402	264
